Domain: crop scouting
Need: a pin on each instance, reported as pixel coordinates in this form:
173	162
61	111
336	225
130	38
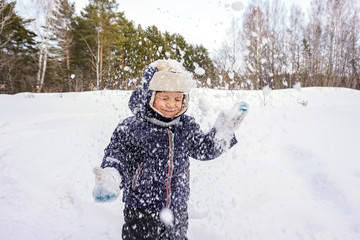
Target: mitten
229	121
107	184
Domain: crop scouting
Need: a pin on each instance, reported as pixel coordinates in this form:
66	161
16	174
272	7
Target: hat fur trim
171	77
168	65
171	82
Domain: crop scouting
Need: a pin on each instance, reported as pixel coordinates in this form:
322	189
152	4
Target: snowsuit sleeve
206	146
121	154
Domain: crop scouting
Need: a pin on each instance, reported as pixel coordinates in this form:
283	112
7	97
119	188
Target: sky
200	22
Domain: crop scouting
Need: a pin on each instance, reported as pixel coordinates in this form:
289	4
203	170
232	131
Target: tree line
270	46
97	49
100	48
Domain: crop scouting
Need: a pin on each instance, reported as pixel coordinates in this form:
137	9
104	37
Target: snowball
167	217
204	105
231	75
237	65
266	90
199	71
208	81
237	6
297	86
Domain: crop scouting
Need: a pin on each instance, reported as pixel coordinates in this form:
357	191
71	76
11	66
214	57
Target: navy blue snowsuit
152	153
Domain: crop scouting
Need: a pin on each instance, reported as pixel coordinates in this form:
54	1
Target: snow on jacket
152	153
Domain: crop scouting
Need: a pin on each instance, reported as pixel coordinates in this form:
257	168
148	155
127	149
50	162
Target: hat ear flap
185	104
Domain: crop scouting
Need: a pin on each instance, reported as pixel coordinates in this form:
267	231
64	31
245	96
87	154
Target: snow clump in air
237	6
199	71
297	86
167	217
204	105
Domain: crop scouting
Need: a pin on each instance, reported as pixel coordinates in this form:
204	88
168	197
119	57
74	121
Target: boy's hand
107	184
229	121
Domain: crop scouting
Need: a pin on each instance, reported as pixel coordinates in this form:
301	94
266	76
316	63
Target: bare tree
277	51
228	57
255	37
296	45
353	80
46	32
335	39
5	19
314	44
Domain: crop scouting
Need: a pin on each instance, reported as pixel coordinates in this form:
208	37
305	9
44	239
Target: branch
5	20
91	52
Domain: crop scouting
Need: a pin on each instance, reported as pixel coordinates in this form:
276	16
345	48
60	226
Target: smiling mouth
169	112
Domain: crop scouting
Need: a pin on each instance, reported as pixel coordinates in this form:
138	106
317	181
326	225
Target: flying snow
297	86
199	71
237	6
167	217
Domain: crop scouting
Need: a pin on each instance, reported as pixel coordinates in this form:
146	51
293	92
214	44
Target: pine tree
64	39
99	31
17	51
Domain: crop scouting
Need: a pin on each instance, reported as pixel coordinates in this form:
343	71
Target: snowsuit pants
146	224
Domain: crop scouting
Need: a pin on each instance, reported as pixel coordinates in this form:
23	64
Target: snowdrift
293	175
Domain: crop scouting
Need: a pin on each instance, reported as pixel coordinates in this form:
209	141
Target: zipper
170	168
136	176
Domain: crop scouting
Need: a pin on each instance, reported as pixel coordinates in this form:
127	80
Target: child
148	156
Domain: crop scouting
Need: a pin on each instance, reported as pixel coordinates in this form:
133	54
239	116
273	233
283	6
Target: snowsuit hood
162	75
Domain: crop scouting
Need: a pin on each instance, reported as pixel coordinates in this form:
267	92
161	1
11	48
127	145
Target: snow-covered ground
295	173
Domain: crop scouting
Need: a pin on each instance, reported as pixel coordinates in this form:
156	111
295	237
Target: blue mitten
107	184
229	121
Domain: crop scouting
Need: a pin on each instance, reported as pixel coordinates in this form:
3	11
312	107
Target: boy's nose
170	104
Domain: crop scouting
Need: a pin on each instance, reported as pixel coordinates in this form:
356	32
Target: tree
64	39
17	51
298	46
353	80
228	58
100	36
255	36
6	15
315	44
335	39
46	32
278	45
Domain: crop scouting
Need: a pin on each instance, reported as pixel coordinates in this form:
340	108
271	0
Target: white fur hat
171	77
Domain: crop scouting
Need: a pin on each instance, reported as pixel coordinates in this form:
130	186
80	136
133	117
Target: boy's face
168	103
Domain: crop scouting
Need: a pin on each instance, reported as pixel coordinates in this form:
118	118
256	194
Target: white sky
198	21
